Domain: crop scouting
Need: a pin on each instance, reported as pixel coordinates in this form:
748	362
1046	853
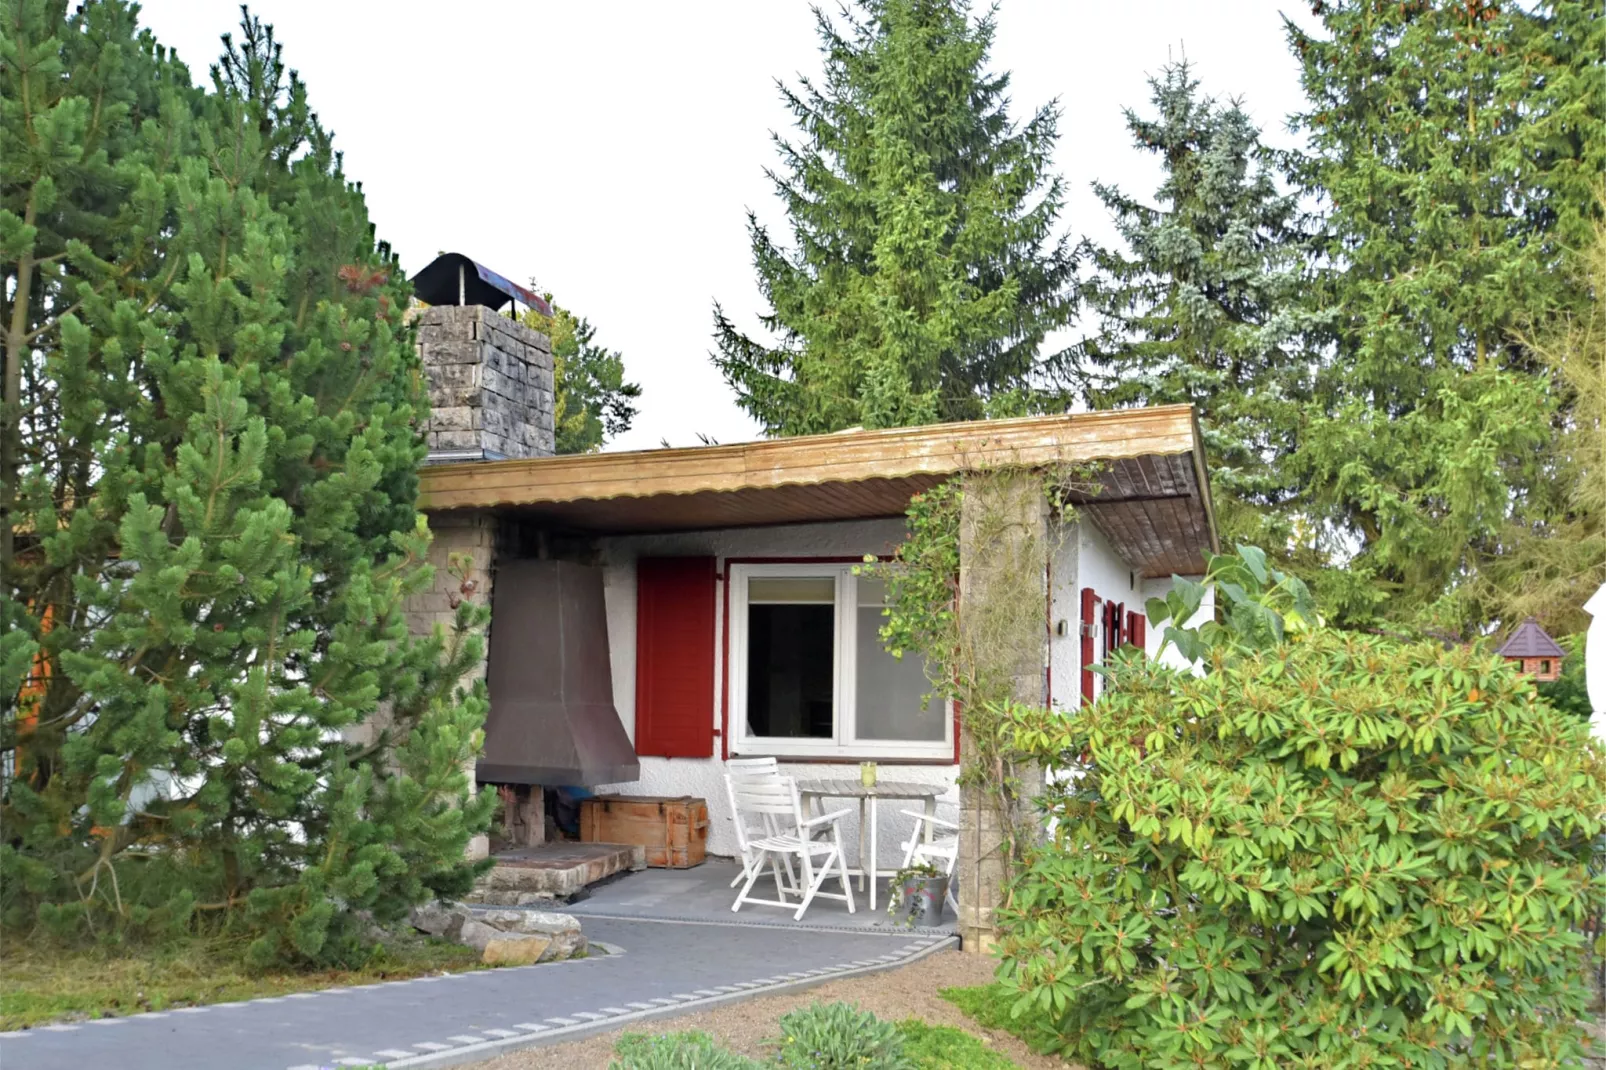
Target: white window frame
844	743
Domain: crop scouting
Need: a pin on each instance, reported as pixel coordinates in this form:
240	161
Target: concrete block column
1003	591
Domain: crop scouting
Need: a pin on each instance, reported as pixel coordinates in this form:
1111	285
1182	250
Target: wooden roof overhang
1152	502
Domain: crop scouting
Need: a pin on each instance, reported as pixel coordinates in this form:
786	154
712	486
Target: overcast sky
610	150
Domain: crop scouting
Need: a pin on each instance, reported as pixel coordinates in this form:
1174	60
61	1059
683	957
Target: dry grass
748	1027
40	983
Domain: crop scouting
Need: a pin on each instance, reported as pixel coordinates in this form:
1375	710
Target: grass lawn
41	983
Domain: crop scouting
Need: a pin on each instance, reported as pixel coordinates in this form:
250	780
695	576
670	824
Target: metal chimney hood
552	720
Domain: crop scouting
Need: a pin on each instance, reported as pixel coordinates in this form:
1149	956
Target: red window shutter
1090	602
675	656
1137	626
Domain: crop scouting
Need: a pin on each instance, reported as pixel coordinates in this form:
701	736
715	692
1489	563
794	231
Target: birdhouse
1533	652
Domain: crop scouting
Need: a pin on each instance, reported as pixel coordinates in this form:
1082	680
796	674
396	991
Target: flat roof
1153	502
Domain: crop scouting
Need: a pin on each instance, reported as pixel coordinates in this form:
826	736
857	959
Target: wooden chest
673	830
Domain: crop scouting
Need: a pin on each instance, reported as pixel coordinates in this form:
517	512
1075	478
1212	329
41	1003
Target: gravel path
910	992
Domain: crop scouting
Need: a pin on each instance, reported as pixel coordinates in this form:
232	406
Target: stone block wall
474	534
490	384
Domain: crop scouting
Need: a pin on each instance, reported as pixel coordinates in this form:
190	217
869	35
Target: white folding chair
778	798
743	769
925	847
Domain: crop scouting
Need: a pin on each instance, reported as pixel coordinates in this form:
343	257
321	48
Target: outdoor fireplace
552	720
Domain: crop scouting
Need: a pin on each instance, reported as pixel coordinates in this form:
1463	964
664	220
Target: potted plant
917	893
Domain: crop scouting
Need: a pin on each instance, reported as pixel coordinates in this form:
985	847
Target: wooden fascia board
844	458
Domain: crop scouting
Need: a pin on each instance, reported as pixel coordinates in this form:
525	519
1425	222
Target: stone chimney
490	385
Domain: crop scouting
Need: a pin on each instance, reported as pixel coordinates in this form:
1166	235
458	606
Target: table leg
863	805
931	811
872	878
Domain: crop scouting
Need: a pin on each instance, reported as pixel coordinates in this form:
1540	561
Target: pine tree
592	401
214	490
924	272
1454	145
1203	306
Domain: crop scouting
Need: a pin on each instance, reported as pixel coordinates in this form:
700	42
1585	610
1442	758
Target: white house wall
1064	651
703	777
1080	557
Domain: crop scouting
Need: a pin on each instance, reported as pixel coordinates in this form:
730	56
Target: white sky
610	149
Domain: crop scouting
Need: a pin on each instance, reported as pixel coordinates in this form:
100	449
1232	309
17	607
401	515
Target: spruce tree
592	402
1547	569
1453	146
214	490
1203	306
924	271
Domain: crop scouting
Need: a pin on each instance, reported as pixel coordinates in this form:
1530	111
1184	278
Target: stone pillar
1003	621
491	396
490	385
474	534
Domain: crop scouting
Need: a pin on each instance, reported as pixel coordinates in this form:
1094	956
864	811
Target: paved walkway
664	968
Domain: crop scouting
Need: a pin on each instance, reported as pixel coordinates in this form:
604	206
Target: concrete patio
703	894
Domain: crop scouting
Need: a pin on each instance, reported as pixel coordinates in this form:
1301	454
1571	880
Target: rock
444	920
563	930
521	936
478	935
517	951
529	921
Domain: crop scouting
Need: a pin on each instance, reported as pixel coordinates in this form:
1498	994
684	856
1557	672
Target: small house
656	612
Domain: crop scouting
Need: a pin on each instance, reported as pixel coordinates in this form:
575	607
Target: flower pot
907	898
927	900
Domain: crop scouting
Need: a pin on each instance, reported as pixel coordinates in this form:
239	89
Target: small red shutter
1090	603
675	657
1137	626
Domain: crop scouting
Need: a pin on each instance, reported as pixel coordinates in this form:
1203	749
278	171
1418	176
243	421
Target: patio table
813	791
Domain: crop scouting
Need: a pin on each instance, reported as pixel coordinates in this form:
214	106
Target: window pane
791	663
889	689
791	589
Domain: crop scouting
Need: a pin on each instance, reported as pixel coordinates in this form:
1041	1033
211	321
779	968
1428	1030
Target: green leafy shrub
676	1051
1329	850
837	1036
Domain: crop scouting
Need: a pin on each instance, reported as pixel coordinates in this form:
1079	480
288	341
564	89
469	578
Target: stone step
554	869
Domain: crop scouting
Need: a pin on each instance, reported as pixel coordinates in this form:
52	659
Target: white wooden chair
927	848
738	770
778	798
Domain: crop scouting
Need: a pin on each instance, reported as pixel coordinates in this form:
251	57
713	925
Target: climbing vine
988	657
